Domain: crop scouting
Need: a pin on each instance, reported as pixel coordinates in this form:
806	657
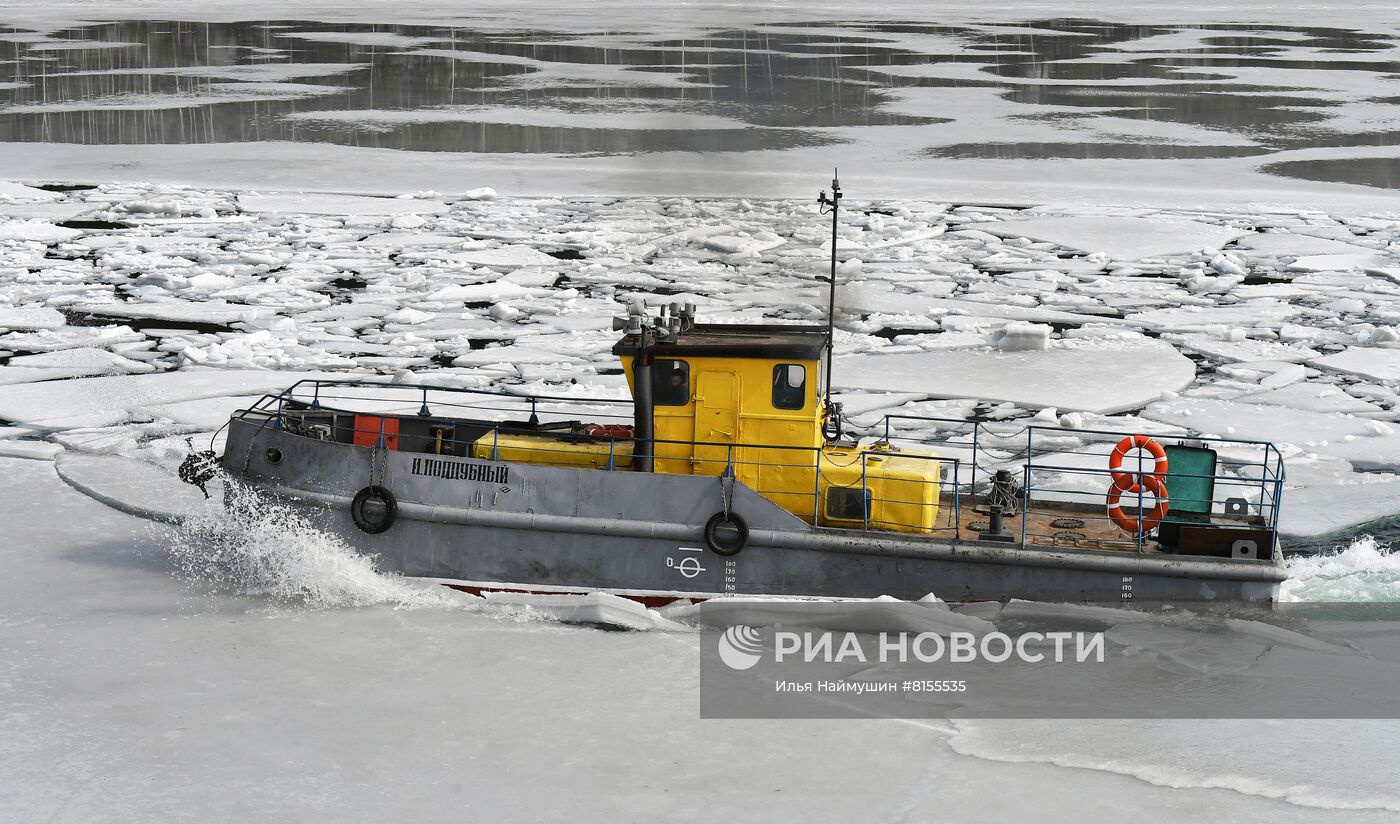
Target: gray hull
518	526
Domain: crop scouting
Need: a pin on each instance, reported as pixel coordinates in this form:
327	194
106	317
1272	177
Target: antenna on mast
831	205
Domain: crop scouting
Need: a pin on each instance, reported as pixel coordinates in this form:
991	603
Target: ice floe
326	204
1377	364
1089	379
30	317
1366	442
104	401
1121	238
171	306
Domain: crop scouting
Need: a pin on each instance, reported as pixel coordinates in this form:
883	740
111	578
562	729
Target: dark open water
784	87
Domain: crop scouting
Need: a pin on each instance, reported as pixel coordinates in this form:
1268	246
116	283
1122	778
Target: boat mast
834	202
643	405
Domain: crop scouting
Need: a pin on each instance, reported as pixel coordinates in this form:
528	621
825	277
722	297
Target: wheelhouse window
789	386
670	382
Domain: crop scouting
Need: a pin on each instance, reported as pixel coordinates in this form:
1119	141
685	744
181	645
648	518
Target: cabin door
716	421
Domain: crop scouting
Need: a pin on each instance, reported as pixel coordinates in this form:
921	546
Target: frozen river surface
130	693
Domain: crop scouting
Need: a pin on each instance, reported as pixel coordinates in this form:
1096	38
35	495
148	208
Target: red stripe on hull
649	601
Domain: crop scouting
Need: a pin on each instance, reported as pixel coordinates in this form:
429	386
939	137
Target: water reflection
190	83
1209	91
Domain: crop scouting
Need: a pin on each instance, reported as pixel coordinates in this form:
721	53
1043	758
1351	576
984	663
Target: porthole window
848	504
670	382
789	386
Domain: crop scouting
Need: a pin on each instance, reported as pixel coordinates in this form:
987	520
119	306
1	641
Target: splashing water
257	545
1366	570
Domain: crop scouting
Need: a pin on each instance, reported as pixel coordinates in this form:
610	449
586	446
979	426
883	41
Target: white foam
1364	570
258	546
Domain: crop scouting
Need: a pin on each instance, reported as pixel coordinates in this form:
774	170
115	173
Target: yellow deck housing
901	489
731	406
728	408
553	451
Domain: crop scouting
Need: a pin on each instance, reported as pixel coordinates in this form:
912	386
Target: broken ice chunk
1019	336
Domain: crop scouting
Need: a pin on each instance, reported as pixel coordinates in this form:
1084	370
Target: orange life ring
1127	481
613	431
1147	521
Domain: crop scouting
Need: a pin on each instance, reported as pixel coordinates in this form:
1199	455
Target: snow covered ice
249	667
213	294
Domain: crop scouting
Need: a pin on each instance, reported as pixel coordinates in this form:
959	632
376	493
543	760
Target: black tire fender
374	526
719	544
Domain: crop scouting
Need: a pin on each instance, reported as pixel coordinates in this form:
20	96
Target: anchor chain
378	462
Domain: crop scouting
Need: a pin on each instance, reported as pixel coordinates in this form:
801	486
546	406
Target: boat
732	471
728	473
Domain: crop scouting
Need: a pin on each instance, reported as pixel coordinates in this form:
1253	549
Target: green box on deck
1190	479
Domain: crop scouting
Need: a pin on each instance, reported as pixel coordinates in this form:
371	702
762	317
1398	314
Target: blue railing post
957	501
1263	477
1026	483
976	436
496	443
865	502
316	396
612	444
423	410
1140	538
383	444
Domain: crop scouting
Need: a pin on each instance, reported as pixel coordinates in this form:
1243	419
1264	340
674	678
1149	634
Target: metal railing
1246	488
973	431
1063	473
